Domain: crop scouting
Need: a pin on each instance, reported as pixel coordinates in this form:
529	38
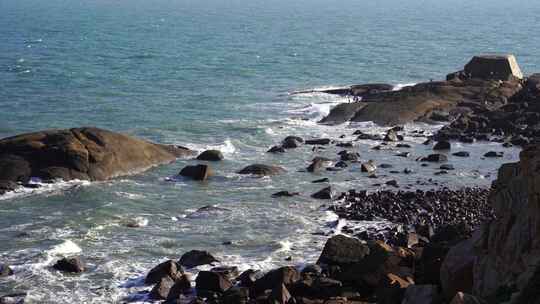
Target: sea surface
218	74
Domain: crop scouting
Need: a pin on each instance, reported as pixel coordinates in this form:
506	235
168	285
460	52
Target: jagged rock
340	250
73	264
211	155
197	172
262	170
509	245
235	295
195	258
391	289
212	281
325	193
442	145
168	268
81	153
6	186
392	183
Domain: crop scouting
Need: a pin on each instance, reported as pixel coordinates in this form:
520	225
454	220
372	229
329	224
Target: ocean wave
44	188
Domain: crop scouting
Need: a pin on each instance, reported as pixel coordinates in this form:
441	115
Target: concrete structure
497	67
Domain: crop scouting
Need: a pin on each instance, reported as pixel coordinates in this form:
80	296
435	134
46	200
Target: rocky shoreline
455	246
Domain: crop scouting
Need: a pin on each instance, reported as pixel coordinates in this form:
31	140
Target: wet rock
196	258
461	154
197	172
5	270
322	180
441	172
291	142
442	145
276	149
212	281
72	264
211	155
427	142
285	194
345	144
391	135
407	171
317	164
435	158
350	156
262	170
385	166
403	146
168	268
14	298
392	183
447	167
368	167
342	113
6	186
319	141
81	153
312	269
235	295
492	154
341	164
168	288
457	269
403	154
325	193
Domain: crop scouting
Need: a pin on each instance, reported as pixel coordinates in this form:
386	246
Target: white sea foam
44	188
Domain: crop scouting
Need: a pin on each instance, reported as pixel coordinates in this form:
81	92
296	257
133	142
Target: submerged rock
166	269
5	270
262	170
82	153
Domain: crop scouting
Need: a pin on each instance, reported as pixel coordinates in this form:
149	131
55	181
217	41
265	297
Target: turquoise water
214	74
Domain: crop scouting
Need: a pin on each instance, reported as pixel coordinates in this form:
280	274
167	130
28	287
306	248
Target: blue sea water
214	73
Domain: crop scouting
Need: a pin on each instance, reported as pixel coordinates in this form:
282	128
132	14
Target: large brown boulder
81	153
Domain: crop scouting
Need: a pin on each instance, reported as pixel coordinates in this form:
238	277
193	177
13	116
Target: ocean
217	74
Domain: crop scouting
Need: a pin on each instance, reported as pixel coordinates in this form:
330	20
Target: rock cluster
416	211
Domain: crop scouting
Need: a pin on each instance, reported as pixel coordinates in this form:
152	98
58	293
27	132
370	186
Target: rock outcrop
82	153
501	261
487	81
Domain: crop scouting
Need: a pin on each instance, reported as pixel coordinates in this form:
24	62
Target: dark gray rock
72	264
262	170
197	172
195	258
211	155
325	193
